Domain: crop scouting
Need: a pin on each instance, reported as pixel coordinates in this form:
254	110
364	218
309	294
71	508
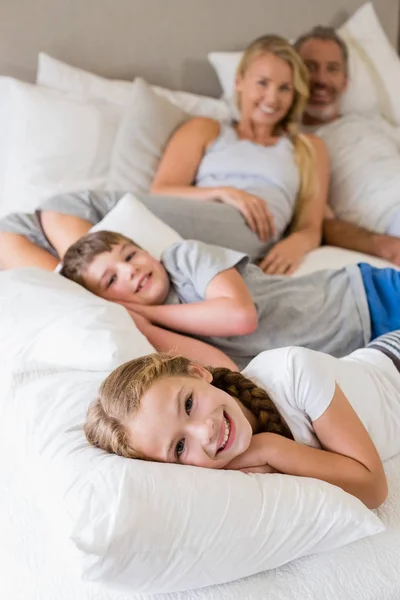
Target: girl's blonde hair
304	152
121	393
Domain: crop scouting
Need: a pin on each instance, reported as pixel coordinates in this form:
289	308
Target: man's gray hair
326	34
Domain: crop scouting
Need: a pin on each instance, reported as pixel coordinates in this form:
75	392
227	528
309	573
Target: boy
213	294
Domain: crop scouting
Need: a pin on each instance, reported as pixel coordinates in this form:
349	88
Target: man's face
328	78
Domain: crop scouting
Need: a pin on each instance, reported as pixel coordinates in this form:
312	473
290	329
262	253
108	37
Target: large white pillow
131	218
362	94
48	319
143	133
83	84
365	32
54	144
148	527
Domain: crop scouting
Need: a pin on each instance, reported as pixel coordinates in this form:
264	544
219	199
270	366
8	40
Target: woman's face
184	419
266	90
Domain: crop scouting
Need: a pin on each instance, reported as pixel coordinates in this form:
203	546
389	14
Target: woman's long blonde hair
304	152
122	391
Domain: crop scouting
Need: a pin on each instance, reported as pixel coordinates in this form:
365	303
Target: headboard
165	41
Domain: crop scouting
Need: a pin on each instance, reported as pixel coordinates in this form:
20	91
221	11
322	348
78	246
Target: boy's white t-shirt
301	382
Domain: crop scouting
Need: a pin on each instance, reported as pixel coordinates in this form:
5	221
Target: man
364	194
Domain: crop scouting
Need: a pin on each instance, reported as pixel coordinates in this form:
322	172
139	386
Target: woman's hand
284	257
254	210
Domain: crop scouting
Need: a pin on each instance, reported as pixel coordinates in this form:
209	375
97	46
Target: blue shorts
382	287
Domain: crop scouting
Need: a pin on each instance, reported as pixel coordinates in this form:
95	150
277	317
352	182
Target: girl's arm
169	341
63	230
228	309
306	227
348	459
179	165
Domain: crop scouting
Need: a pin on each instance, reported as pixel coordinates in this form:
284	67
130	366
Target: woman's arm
228	309
195	350
180	163
63	230
181	159
306	227
348	459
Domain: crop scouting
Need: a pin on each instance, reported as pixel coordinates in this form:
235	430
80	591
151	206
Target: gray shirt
326	311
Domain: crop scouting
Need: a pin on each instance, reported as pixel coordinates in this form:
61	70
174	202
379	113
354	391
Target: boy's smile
128	274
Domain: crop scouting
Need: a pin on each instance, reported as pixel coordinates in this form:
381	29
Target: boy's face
128	274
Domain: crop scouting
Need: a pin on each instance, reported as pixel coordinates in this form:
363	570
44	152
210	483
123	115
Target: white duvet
33	566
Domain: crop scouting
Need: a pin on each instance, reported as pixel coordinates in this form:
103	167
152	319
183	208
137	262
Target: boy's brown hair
81	254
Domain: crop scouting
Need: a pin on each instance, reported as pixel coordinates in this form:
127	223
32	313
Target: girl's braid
253	397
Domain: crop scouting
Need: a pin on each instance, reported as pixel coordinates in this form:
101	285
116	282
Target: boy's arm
63	230
228	309
169	341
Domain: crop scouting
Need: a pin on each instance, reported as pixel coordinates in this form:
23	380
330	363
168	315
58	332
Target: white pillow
143	133
148	527
82	84
329	257
361	94
364	31
131	218
48	319
54	145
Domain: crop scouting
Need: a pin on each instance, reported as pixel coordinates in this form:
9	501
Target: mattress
36	565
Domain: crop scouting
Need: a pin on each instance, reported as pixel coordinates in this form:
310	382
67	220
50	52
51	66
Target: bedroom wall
165	41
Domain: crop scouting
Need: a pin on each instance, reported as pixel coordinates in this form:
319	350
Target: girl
292	410
260	164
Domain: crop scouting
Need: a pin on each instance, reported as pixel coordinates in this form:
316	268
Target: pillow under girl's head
167	409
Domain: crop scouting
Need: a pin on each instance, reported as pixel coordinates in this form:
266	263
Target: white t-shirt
301	382
365	170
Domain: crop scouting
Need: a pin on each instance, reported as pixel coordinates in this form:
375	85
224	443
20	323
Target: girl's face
184	419
266	90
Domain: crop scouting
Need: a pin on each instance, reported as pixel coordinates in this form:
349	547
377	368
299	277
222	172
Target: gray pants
209	222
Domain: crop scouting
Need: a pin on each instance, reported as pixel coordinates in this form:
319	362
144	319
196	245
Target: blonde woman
276	177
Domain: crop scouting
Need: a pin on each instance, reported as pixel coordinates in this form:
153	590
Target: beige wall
165	41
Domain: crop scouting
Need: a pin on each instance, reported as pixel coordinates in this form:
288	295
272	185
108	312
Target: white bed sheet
34	565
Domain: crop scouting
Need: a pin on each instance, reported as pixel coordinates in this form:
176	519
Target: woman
260	164
292	410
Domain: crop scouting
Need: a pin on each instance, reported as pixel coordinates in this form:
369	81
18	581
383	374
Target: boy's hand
139	309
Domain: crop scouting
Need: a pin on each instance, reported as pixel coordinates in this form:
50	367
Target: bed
142	41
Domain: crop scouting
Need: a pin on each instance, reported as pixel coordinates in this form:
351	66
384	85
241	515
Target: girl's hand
283	258
255	456
264	469
254	210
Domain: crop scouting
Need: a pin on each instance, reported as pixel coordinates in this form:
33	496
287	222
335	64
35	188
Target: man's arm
353	237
